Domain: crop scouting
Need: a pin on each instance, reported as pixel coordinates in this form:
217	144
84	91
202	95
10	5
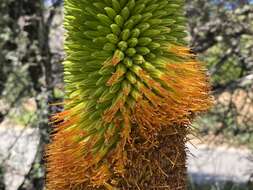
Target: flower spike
133	88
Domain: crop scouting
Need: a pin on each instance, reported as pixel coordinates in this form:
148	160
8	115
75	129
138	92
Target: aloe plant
132	90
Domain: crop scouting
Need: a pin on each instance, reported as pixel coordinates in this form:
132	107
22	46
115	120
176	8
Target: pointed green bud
132	42
110	12
131	4
104	19
109	47
125	13
129	24
138	59
116	5
131	52
125	34
146	17
152	7
143	50
128	62
139	8
119	55
131	77
148	66
144	41
99	5
136	69
119	20
168	21
122	45
155	21
151	32
100	40
103	30
154	45
143	26
115	29
112	38
135	33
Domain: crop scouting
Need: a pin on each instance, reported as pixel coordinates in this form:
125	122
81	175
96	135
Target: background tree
221	32
27	66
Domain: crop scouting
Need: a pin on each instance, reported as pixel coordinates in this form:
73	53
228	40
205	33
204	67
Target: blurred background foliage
222	34
220	31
